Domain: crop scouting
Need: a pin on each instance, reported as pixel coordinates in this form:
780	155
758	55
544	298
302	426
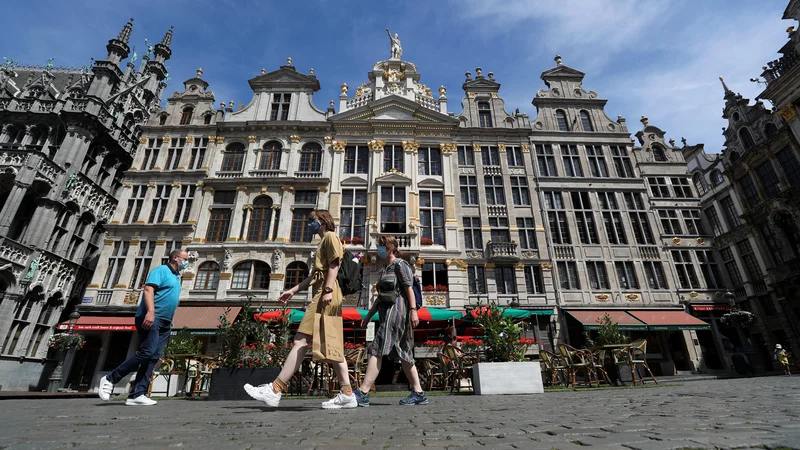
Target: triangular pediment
394	107
431	183
563	72
354	181
481	84
286	76
393	178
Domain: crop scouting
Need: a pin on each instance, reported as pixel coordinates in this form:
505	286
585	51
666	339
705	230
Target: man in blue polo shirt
162	291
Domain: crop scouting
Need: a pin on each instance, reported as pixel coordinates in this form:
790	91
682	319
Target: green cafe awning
667	320
508	312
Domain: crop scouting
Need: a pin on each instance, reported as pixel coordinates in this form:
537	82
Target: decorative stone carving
420	262
252	139
277	260
501	148
526	148
448	147
295	138
143	140
519	266
476	146
700	240
632	297
193	255
338	146
546	266
602	297
676	240
220	140
227	260
694	294
328	139
410	146
376	145
436	299
475	255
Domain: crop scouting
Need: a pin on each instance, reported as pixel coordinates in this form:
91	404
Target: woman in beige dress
321	327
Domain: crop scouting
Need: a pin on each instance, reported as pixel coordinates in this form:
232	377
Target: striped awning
203	319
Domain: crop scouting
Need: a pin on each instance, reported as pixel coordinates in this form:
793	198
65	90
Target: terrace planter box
228	384
507	378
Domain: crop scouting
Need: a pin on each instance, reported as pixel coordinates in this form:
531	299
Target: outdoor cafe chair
432	374
203	381
598	360
356	365
459	367
164	368
554	368
578	360
638	356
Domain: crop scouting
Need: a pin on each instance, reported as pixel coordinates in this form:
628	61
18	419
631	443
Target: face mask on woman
382	252
314	226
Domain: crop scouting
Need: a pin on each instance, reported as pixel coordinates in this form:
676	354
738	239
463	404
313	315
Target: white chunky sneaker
141	400
341	401
105	389
263	393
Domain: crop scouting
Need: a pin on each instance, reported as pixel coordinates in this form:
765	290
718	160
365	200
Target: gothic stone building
68	135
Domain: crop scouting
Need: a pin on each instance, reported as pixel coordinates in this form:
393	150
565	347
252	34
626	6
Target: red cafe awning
101	323
712	307
669	320
202	317
590	318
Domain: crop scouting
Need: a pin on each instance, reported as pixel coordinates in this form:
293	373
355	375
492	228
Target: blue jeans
151	345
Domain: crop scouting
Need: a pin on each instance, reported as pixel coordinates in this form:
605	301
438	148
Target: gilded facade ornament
212	138
694	294
328	139
420	262
519	266
165	139
476	146
287	188
632	297
501	147
338	146
442	91
323	188
489	266
700	240
494	95
220	140
470	95
526	148
295	138
788	112
143	140
376	145
602	297
546	266
241	188
344	88
252	139
410	146
189	139
447	147
676	240
436	299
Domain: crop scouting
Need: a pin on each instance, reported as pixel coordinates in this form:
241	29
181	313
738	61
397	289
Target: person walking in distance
321	327
398	316
153	321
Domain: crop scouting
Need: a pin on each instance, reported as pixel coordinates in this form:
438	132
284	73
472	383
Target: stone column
236	216
197	201
519	278
147	206
186	153
41	226
337	169
247	212
294	155
251	164
450	222
102	265
285	222
74	147
275	211
127	267
172	204
204	214
122	206
10	209
161	161
215	154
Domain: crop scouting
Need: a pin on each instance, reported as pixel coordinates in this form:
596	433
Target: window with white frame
135	203
490	155
527	233
729	211
310	158
557	218
790	165
495	194
356	159
514	156
233	158
572	161
160	202
300	230
393	209
771	240
596	273
466	156
476	279
280	106
612	218
429	161
710	269
220	217
469	189
568	275
713	219
505	280
207	276
270	158
597	162
198	156
699	183
769	179
586	121
670	222
174	153
393	158
561	120
115	263
499	231
584	217
260	220
251	275
749	261
353	224
141	266
654	273
545	160
431	215
622	161
685	269
520	194
626	275
434	275
534	283
473	238
296	272
184	206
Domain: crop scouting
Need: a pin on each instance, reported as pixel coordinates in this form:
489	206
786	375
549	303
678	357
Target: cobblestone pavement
741	413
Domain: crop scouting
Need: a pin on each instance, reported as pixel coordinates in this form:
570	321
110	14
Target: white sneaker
141	400
341	401
105	389
263	393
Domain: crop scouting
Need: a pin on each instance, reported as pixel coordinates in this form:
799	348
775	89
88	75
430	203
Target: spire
125	34
725	87
167	38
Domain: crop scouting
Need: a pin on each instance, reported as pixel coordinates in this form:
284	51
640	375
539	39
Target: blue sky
657	58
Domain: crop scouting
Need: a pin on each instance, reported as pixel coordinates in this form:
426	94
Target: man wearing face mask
153	323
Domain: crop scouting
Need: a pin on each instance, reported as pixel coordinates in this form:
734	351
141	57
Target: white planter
507	378
176	384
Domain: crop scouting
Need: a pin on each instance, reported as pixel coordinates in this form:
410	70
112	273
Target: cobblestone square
740	413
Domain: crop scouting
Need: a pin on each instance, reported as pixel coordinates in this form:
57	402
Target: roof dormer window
280	106
186	115
561	120
485	114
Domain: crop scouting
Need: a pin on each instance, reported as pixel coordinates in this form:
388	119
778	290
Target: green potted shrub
608	333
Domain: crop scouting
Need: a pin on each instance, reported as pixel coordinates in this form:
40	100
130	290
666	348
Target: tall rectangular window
772	243
41	329
393	158
685	268
160	202
476	280
670	222
270	156
545	160
713	219
710	269
505	280
300	231
641	228
534	283
682	187
749	260
429	161
626	275
596	272
654	273
466	157
174	153
431	215
490	155
185	199
557	218
514	156
568	275
499	229
115	263
572	162
356	159
473	238
622	162
597	162
751	196
519	191
658	187
469	189
169	247
612	220
730	265
393	209
527	233
354	214
150	155
495	194
141	266
280	106
218	223
584	217
485	114
729	212
135	203
434	274
691	218
790	165
769	179
306	197
198	157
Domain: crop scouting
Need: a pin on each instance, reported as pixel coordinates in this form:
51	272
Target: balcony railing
308	174
776	69
403	240
229	174
497	210
760	287
503	250
649	253
264	173
103	298
563	252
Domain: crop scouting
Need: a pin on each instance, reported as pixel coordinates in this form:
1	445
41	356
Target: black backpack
350	274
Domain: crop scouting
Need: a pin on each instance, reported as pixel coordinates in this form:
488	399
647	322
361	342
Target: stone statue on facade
70	181
226	262
31	270
396	48
277	261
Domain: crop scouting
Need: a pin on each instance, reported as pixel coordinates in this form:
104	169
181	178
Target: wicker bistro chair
163	368
356	364
555	370
432	374
638	356
598	360
459	367
578	360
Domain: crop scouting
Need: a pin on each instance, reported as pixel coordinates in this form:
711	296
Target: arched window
770	129
186	115
699	183
260	219
207	276
271	156
586	121
658	153
746	138
311	158
251	275
162	120
561	120
234	158
295	273
207	119
716	178
35	92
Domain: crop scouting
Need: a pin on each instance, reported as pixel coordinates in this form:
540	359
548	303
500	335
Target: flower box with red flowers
426	241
